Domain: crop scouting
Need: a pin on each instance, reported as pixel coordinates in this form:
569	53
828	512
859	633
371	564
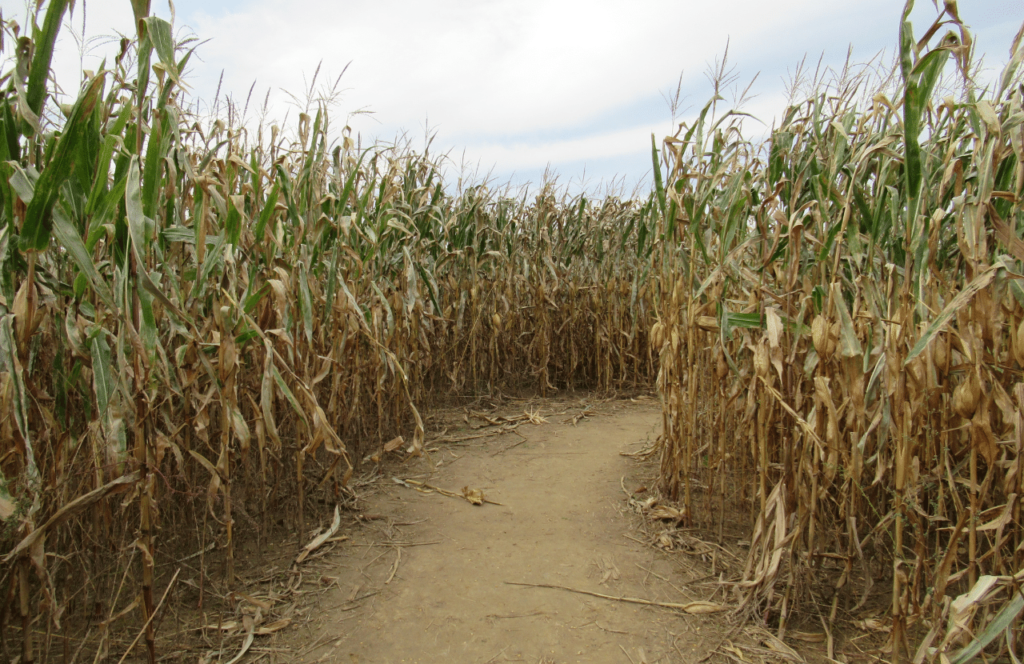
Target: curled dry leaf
667	513
700	607
275	626
318	541
474	496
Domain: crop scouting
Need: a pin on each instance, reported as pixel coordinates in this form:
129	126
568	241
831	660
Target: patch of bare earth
430	577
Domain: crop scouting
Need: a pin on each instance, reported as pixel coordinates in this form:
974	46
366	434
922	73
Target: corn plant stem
972	532
721	468
149	620
27	649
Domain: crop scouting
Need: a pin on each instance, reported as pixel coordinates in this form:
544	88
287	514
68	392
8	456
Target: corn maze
204	324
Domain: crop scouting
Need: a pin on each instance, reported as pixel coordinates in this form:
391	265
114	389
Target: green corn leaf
744	320
268	210
141	9
136	216
233	223
155	150
847	335
147	322
44	43
659	184
103	382
289	199
137	231
246	337
23	182
288	395
213	258
957	303
68	238
186	235
305	304
105	213
10	149
919	81
1005	619
4	237
254	298
100	183
160	34
35	234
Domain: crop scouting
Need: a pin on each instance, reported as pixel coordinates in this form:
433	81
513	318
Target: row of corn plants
842	350
205	325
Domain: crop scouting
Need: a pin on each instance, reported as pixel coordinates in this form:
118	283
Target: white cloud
521	83
505	67
516	155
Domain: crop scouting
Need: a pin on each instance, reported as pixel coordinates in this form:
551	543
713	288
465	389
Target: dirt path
437	566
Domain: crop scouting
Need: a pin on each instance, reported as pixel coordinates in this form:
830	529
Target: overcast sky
513	86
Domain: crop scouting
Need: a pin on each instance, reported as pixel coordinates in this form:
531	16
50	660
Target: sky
511	89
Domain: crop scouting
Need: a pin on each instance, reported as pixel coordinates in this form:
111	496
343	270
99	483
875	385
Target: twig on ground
613	631
394	569
640	541
516	615
655	574
506	449
373	544
350	604
316	644
423	487
689	607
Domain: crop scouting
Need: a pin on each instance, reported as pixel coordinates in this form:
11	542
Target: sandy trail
438	565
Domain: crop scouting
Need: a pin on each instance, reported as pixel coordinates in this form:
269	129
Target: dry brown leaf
873	625
224	626
666	512
275	626
254	601
700	607
1004	517
808	637
318	541
474	496
249	633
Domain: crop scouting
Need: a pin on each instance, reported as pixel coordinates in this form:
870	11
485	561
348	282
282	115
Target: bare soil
428	579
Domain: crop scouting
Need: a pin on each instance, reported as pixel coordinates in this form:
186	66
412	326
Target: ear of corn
201	321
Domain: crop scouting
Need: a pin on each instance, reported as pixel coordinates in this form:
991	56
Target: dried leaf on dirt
316	542
474	496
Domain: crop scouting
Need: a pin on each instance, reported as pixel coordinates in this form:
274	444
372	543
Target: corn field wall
847	336
201	327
